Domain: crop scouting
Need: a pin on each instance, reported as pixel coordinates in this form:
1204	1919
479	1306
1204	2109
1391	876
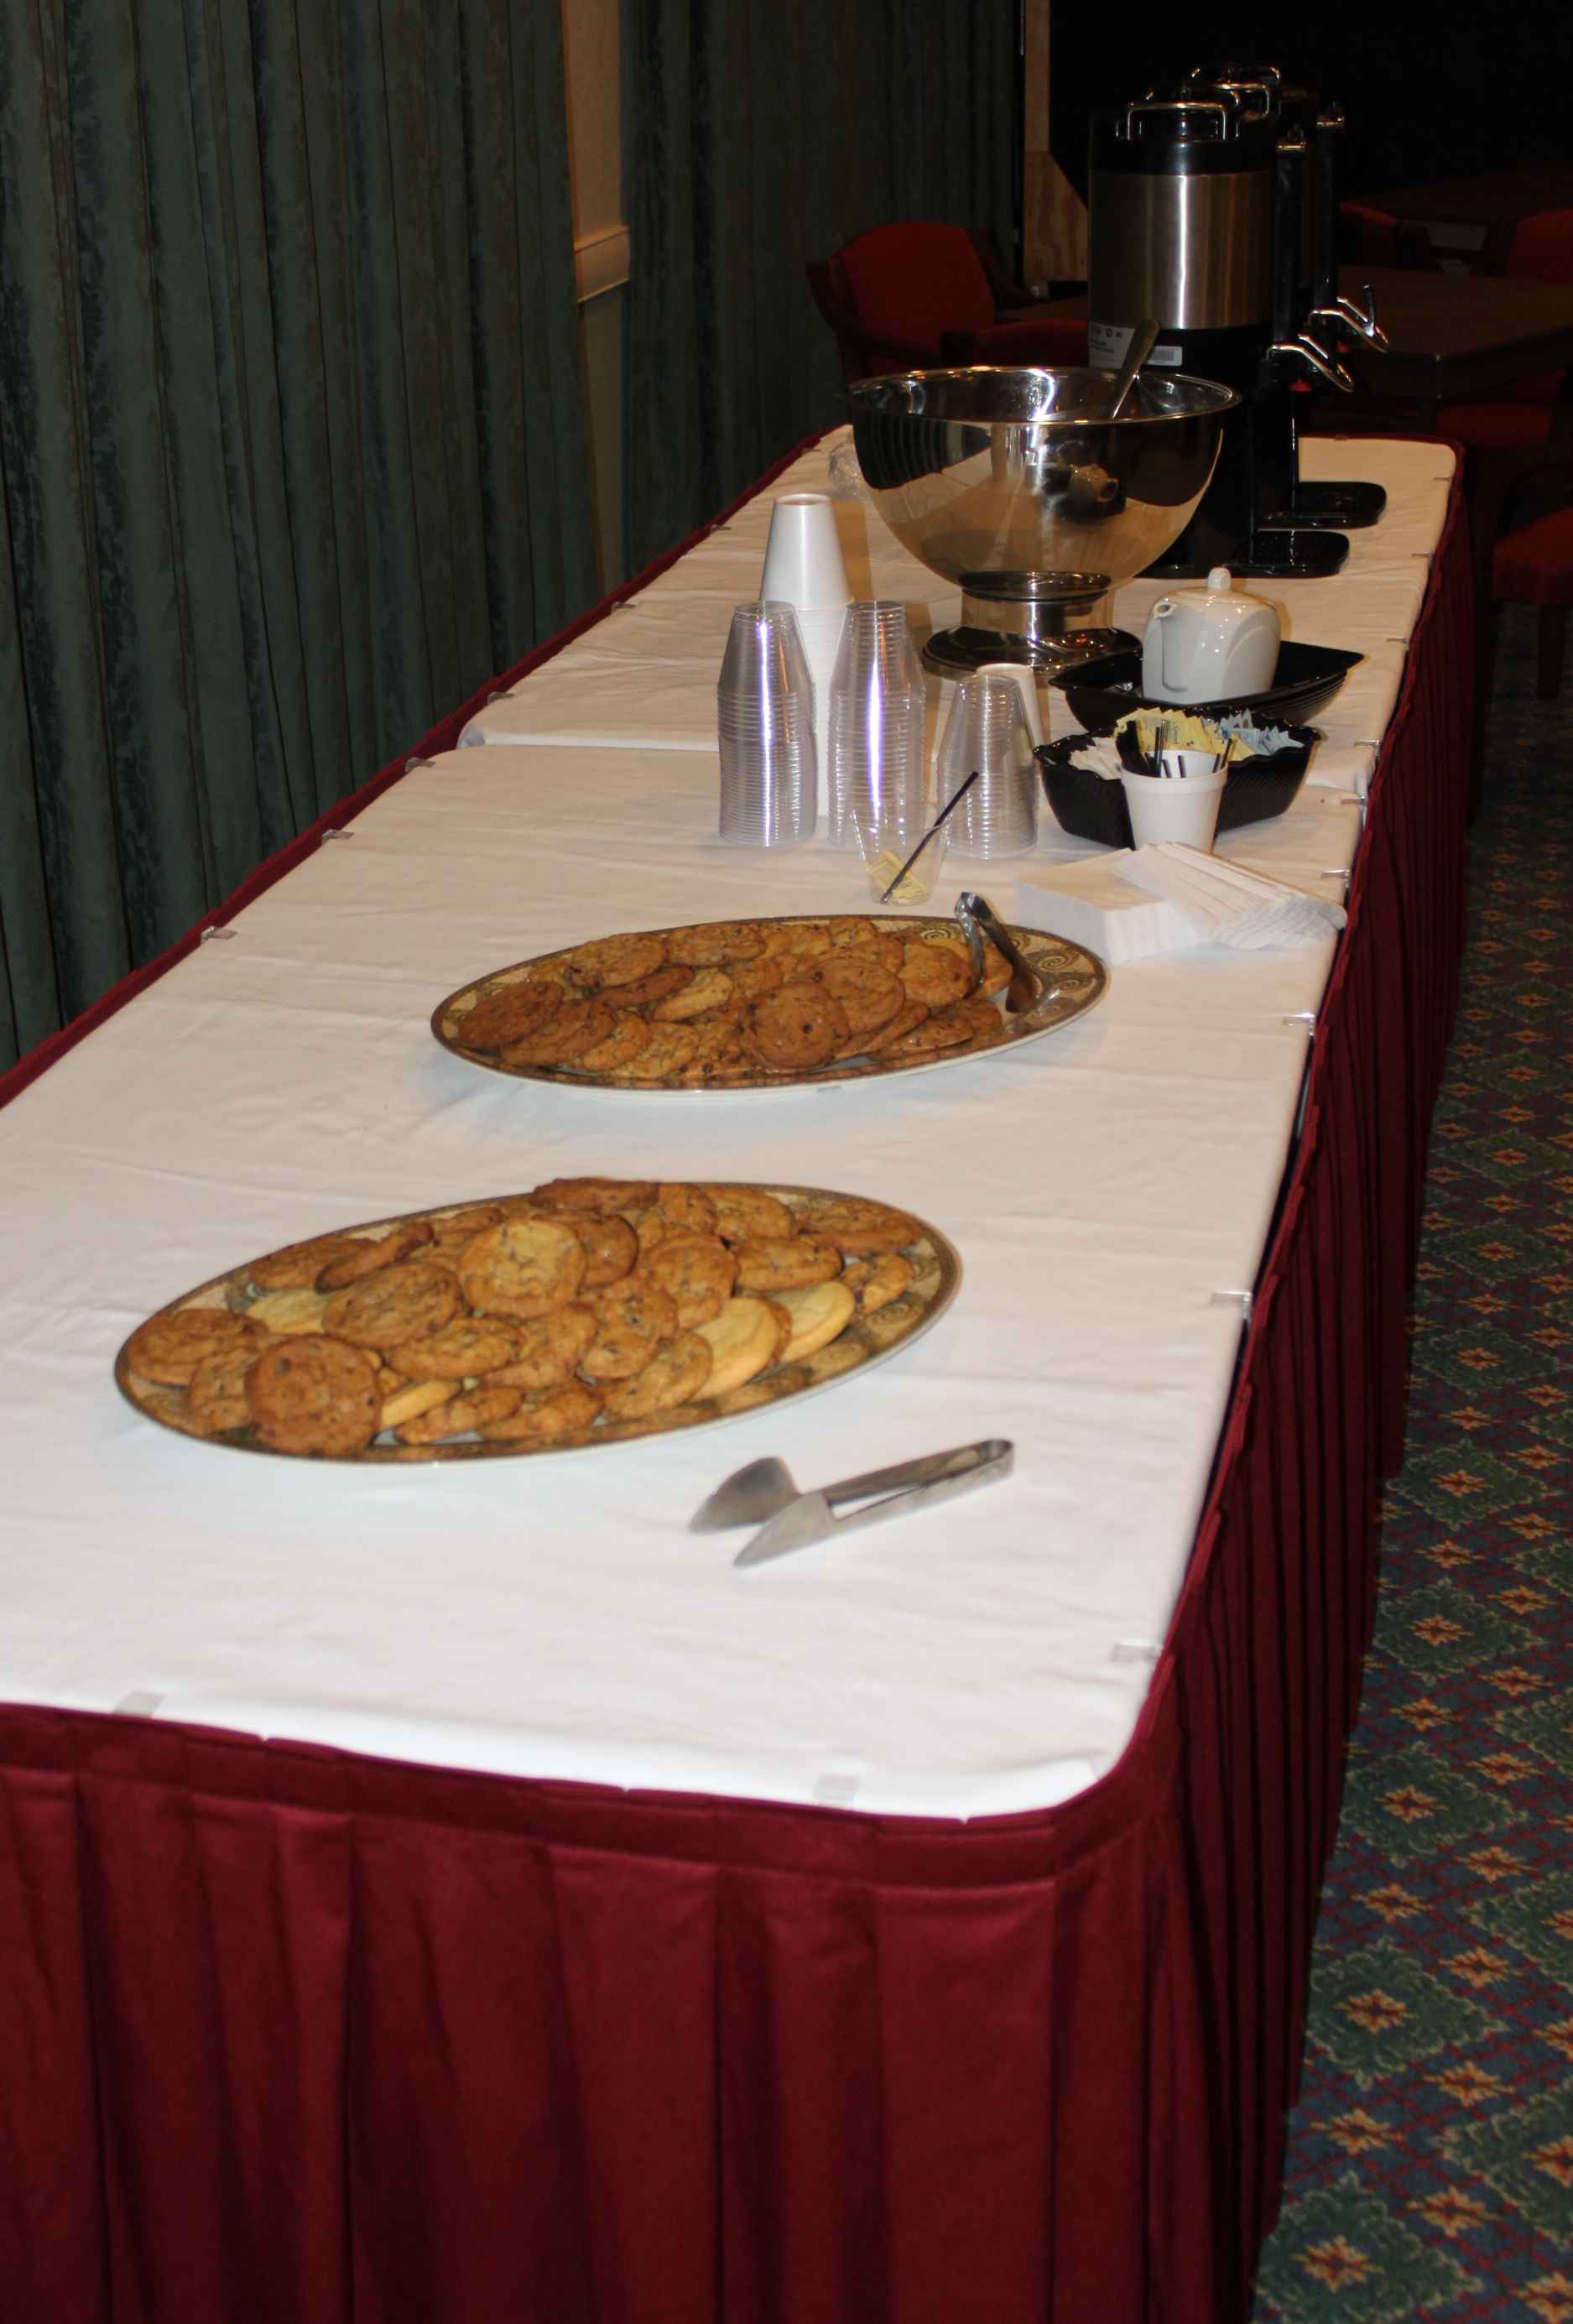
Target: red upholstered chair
890	295
1367	237
1371	237
1534	566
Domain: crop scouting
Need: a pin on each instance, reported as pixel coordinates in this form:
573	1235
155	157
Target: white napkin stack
1086	901
1225	903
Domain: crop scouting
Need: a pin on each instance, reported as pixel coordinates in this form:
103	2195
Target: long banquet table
456	1892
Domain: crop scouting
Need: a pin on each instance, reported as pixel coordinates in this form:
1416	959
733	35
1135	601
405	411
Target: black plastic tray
1307	678
1090	805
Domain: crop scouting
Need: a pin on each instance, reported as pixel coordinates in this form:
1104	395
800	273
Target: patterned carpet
1430	2161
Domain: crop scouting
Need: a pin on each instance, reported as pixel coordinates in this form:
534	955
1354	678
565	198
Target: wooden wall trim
1054	215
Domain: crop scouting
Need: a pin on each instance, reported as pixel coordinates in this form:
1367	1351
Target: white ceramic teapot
1208	645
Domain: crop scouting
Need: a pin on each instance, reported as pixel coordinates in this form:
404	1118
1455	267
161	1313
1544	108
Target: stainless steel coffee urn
1212	210
1180	228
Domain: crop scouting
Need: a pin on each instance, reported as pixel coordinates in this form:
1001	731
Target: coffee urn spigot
1308	357
1345	317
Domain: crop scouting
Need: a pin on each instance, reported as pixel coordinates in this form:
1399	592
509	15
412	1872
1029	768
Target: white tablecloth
553	1616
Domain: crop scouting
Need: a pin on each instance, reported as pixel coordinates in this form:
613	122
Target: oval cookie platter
502	1284
638	1040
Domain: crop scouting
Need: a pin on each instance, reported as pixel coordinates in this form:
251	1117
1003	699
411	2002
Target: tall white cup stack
804	568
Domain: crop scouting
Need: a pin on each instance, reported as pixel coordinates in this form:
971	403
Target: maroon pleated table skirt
297	2037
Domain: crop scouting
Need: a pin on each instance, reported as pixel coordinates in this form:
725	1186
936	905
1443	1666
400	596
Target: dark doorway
1429	90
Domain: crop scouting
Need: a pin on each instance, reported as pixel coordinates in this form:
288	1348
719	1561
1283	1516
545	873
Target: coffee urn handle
1290	169
1256	96
1327	180
1139	107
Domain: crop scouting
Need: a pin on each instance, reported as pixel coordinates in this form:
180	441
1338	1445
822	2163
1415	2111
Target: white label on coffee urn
1106	343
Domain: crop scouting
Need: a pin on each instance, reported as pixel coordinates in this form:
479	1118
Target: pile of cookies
734	1003
590	1309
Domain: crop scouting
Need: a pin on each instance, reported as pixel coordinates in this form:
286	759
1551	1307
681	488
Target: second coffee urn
1212	209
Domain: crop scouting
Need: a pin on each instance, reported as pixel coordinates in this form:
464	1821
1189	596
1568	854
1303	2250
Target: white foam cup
1183	809
803	565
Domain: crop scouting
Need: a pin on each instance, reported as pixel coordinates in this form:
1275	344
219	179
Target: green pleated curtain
291	432
759	135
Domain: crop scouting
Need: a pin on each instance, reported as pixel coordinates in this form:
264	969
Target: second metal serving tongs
765	1490
978	919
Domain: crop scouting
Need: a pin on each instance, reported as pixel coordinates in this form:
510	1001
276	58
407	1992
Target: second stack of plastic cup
878	709
988	730
764	709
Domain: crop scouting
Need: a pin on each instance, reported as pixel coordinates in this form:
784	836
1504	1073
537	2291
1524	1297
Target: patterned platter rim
942	1274
1056	958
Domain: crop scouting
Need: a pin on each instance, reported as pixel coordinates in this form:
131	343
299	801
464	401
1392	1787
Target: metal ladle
1144	338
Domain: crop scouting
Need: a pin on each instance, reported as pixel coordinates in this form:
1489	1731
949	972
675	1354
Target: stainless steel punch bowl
1017	485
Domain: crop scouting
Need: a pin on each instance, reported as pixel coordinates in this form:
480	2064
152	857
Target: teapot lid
1218	600
1219	583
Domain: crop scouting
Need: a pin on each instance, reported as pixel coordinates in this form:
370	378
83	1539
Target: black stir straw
928	834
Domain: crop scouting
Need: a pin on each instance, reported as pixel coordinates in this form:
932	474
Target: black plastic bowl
1090	805
1306	679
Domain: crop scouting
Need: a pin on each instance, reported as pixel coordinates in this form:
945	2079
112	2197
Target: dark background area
1434	91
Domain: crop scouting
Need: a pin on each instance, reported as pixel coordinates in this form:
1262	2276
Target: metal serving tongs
978	919
792	1519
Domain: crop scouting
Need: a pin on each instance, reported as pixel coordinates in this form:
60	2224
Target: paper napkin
1225	903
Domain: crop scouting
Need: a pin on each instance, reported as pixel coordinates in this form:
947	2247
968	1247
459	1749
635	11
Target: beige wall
600	247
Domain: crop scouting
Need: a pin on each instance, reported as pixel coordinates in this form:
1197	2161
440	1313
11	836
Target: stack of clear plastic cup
878	709
763	713
988	728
